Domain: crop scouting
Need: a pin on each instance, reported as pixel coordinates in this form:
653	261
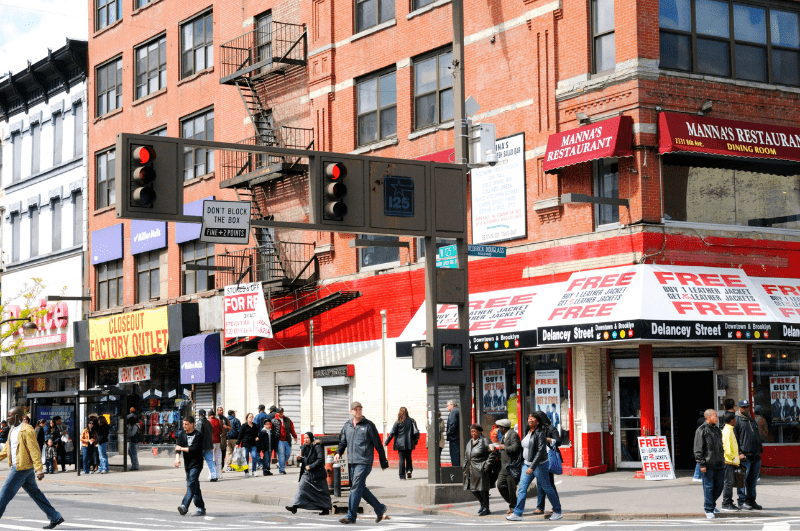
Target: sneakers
555	516
745	507
104	472
199	512
710	515
730	508
697	480
182	510
514	518
716	511
54	523
213	479
283	472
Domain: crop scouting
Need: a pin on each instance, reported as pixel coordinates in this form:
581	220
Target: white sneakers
555	516
710	515
514	518
697	480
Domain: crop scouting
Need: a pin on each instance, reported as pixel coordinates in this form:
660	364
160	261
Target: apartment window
77	218
104	169
109	87
372	12
110	286
161	131
140	3
603	46
36	143
147	273
15	225
433	90
264	38
197	45
16	160
728	39
33	214
198	253
77	112
107	12
151	67
55	218
198	161
606	185
58	137
378	257
419	4
377	108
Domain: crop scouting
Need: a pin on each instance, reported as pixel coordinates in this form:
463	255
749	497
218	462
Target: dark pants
358	490
25	480
507	484
406	466
713	482
193	489
540	498
748	493
483	497
455	453
727	486
61	456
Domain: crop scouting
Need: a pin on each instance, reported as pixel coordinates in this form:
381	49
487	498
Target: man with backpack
233	436
134	438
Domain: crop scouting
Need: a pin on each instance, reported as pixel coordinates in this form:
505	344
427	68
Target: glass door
728	384
629	424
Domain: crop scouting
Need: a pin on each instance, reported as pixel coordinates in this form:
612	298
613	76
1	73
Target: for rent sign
246	311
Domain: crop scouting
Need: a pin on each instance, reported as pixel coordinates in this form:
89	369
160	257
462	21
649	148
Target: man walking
285	431
709	454
511	462
24	456
749	440
233	436
454	432
190	443
207	435
361	438
134	438
259	421
731	449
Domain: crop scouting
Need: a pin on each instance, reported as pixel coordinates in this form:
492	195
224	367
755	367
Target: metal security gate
204	398
289	400
335	408
445	394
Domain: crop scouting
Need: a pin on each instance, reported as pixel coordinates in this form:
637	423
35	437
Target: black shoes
283	472
347	521
484	511
182	510
292	509
54	523
383	516
730	509
267	473
324	512
756	506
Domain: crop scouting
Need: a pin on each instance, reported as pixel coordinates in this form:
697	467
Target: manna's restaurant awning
714	136
608	138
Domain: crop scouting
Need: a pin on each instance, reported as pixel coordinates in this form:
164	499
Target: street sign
226	222
447	257
398	199
493	251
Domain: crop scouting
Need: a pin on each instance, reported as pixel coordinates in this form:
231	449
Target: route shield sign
398	196
226	222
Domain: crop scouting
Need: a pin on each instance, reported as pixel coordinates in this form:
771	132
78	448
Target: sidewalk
611	496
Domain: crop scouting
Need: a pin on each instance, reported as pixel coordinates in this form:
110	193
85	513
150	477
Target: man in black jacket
454	432
205	429
361	438
190	443
749	439
511	461
709	454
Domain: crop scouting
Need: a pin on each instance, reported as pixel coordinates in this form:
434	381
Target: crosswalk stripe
776	526
9	526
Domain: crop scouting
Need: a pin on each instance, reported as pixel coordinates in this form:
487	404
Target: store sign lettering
141	333
56	317
137	373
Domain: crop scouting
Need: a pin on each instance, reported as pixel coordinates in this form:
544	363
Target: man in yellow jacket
24	456
731	450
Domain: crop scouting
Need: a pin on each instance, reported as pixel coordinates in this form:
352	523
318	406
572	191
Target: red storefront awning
714	136
609	138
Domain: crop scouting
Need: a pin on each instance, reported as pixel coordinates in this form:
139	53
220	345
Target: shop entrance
681	397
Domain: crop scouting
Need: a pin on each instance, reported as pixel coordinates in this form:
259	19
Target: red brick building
686	109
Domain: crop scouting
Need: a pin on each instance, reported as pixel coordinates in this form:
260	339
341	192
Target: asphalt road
94	509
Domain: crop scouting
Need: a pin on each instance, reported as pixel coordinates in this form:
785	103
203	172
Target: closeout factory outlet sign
129	335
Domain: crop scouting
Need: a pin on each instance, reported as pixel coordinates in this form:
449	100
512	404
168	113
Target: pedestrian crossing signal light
143	176
333	191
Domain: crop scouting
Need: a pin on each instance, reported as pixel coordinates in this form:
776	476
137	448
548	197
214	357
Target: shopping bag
239	460
739	476
554	461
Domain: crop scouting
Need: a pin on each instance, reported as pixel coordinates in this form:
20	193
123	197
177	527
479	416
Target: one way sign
226	222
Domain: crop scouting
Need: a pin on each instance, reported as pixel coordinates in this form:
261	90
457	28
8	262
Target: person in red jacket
215	429
284	427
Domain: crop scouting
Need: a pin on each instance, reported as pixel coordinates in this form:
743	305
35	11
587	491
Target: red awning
609	138
714	136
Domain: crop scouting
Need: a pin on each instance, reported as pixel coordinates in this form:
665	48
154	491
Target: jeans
713	481
358	490
251	451
133	453
49	465
27	480
753	466
193	489
86	454
540	497
697	472
284	451
455	454
217	458
507	486
727	485
406	465
103	451
208	455
542	475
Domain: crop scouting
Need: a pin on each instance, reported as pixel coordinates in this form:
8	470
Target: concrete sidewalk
611	496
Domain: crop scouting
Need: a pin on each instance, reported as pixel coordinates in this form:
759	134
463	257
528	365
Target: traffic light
333	191
149	179
142	191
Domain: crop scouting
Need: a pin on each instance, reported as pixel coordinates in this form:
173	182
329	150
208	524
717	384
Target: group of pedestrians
94	445
261	436
720	453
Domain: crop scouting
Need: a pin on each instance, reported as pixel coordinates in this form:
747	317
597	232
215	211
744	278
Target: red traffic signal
143	176
333	191
144	154
335	171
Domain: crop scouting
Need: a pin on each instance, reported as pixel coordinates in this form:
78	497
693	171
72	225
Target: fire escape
267	66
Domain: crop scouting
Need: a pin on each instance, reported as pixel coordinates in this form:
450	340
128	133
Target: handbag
239	460
68	446
740	476
554	461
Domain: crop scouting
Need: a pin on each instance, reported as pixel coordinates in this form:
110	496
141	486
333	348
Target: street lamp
29	328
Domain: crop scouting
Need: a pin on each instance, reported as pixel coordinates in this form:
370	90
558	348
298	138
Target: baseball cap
504	423
744	403
355	405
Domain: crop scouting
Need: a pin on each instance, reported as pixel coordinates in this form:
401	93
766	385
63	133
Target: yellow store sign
129	335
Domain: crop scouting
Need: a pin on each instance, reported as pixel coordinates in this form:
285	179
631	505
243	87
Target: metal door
289	400
335	408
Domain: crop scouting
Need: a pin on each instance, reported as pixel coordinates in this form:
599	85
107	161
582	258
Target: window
606	185
728	39
107	12
161	131
16	161
151	67
77	111
105	179
147	272
419	4
377	108
198	161
197	45
603	46
199	253
497	397
378	257
777	415
109	87
264	39
433	90
33	213
372	12
15	224
55	218
36	143
551	366
140	3
58	137
109	285
77	218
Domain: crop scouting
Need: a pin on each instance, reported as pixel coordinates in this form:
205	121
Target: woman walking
88	442
102	443
477	462
553	442
405	434
535	465
247	440
312	492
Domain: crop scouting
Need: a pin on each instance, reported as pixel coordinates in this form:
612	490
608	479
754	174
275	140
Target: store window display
498	397
547	389
776	380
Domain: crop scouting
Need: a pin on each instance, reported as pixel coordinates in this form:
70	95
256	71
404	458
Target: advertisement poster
494	391
656	461
129	335
498	194
783	396
246	311
66	414
546	393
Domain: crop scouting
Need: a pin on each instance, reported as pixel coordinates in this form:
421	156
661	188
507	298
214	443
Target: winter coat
314	457
215	428
729	446
511	457
207	432
236	425
223	433
747	435
264	443
537	446
477	462
405	435
362	440
708	451
247	435
453	431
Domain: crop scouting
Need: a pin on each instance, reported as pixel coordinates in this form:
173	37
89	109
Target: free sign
226	222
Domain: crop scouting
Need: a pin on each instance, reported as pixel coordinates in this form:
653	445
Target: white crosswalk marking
9	526
776	526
